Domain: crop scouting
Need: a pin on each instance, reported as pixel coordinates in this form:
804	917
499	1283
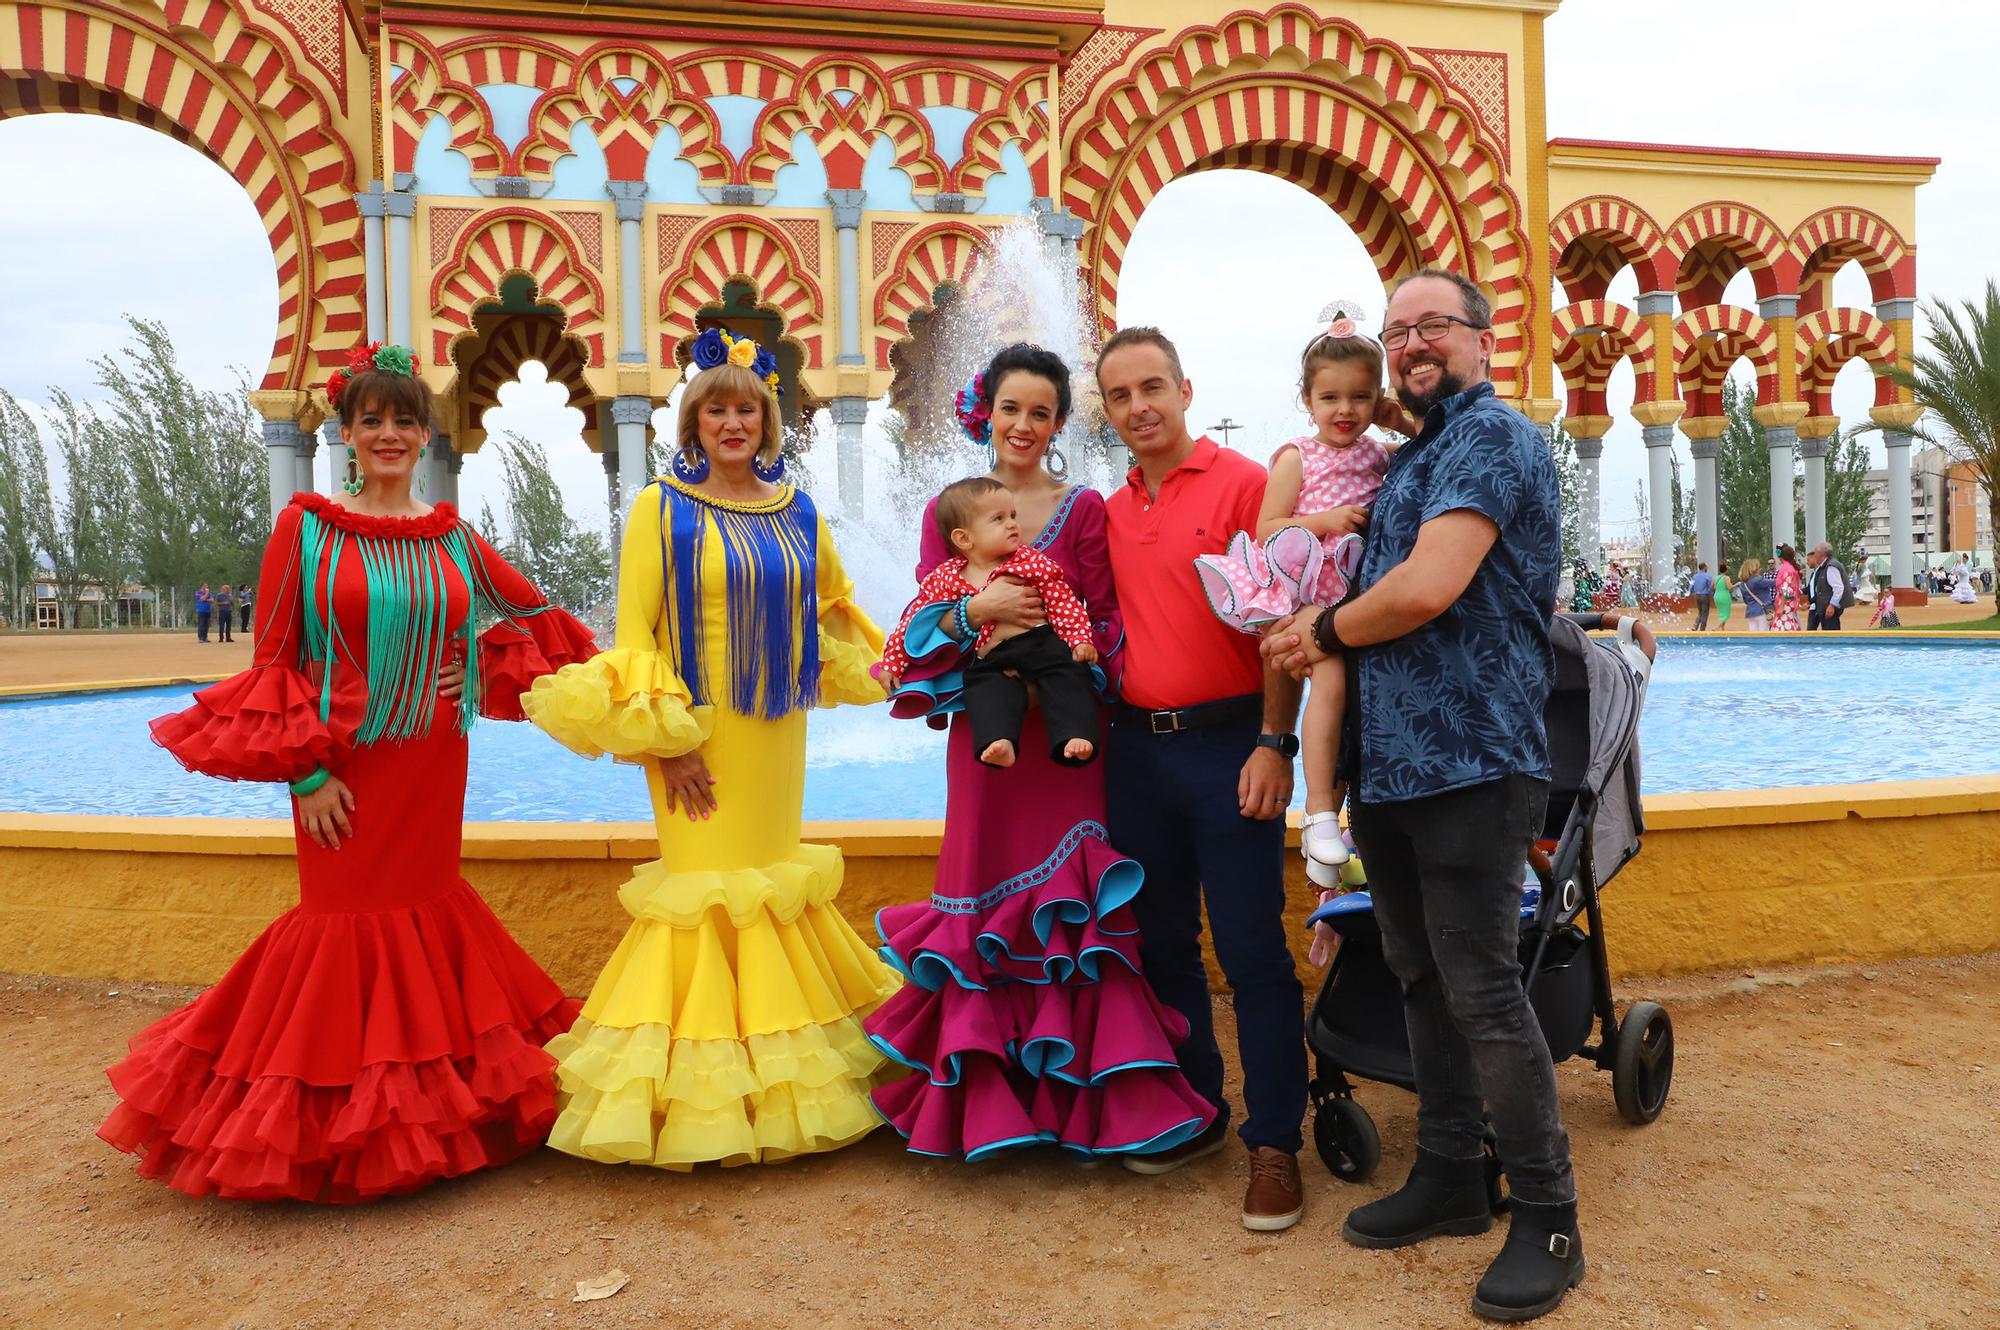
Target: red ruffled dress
387	1031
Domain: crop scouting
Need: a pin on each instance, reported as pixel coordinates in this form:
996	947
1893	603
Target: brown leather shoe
1206	1142
1275	1198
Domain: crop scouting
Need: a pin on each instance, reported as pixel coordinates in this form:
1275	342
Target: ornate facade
493	180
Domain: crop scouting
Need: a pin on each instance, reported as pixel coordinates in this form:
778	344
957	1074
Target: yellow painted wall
1730	880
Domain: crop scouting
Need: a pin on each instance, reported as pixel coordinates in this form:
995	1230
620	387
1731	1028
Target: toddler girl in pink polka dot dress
1308	546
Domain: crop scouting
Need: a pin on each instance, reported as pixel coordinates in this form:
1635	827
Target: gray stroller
1592	830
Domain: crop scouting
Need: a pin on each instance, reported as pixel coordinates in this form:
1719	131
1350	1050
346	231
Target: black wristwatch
1325	636
1286	744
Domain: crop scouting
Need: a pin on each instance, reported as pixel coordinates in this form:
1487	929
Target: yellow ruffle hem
628	702
726	1027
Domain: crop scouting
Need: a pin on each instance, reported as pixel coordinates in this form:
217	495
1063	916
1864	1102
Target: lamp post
1225	427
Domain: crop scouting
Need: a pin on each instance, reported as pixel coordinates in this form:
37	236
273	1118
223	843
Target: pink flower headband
1342	321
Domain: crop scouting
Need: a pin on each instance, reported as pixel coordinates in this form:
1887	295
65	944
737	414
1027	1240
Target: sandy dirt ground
1830	1158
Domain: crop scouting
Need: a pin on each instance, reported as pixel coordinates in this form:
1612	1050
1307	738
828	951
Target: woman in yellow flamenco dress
726	1027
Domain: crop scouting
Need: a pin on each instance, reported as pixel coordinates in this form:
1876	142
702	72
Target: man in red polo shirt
1199	771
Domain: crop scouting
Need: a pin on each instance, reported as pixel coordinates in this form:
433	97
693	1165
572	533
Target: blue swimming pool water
1721	715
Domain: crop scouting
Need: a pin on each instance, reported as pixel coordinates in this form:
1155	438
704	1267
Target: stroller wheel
1642	1066
1344	1135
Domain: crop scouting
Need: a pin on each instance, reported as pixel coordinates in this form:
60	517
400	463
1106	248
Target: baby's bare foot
999	753
1079	750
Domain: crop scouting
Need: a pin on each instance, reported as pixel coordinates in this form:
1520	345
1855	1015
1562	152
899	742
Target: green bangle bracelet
319	777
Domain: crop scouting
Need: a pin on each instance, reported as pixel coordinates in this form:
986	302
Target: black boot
1442	1196
1541	1261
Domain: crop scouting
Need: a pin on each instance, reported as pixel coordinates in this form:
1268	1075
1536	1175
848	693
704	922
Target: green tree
24	488
1847	501
1743	464
570	565
197	493
1957	382
81	533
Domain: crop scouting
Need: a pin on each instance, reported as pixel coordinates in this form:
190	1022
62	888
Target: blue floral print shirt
1458	702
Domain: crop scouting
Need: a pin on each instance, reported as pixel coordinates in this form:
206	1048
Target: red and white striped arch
1021	117
1357	202
1828	339
1710	242
509	342
1590	338
738	248
626	123
424	89
1290	78
941	254
844	104
1711	339
1830	239
204	74
1594	239
499	244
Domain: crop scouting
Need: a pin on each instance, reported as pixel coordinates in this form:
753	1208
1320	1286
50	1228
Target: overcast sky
106	218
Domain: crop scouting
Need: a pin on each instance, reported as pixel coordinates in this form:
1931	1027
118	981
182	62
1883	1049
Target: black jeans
1446	875
997	702
1173	807
201	623
1702	607
245	611
1823	621
225	615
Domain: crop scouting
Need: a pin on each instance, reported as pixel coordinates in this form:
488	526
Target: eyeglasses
1428	330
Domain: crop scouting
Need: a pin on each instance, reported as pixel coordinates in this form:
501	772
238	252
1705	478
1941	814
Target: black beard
1419	404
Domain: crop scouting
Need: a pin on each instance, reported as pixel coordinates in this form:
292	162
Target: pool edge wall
1728	880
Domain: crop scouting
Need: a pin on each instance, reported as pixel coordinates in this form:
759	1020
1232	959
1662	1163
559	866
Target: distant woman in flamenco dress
387	1031
1027	1020
726	1026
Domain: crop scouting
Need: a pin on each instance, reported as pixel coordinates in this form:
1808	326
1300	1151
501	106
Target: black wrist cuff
1324	635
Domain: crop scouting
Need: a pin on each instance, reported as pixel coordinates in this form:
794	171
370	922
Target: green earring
352	486
423	486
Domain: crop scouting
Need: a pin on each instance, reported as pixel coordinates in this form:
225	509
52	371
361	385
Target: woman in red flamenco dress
386	1032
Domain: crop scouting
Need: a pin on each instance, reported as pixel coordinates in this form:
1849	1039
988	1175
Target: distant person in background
1628	590
1791	593
1885	612
225	612
204	609
244	596
1828	590
1724	596
1758	591
1702	587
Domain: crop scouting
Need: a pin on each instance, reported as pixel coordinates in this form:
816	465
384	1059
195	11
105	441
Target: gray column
400	205
847	231
303	479
453	464
1589	461
281	438
631	207
1901	572
370	203
1707	506
1061	231
1780	440
1814	451
1660	500
629	415
849	414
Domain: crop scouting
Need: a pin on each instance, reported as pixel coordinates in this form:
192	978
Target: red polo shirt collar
1200	459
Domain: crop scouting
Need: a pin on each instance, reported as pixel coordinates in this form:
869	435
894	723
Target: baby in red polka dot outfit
976	517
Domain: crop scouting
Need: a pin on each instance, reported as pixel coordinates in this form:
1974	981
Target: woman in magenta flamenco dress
386	1032
1026	1019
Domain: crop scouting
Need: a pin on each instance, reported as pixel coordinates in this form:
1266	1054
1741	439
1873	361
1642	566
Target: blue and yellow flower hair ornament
719	346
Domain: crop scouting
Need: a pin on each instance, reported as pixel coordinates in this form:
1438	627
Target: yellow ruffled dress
726	1027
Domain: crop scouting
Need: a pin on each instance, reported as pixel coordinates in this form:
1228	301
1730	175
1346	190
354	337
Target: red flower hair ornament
373	356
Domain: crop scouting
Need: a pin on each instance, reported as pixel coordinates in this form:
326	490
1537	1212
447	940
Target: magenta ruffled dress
1027	1019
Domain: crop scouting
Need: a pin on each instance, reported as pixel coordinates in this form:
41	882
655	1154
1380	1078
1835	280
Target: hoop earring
352	486
992	455
1057	464
691	470
772	472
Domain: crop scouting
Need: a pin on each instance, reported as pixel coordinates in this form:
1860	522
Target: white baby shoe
1324	848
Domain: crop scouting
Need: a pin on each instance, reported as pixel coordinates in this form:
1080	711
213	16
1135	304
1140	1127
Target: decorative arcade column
1896	421
371	203
849	411
400	205
281	439
1704	436
1586	437
629	415
630	203
454	462
1816	436
302	479
1660	502
1780	421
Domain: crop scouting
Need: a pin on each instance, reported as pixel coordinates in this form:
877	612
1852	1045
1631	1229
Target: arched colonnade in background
591	191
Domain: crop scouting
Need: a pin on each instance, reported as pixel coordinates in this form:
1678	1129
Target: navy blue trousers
1173	807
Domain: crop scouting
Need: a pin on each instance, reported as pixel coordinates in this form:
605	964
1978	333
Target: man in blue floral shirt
1449	766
